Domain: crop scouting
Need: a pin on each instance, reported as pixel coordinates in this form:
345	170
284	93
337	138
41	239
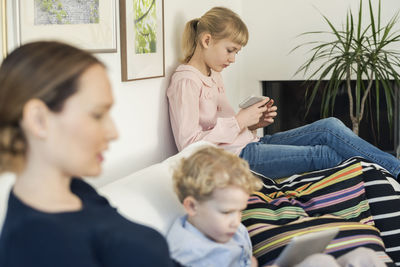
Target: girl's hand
267	117
251	115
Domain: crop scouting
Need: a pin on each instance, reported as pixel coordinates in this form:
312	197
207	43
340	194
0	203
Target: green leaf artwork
66	12
145	26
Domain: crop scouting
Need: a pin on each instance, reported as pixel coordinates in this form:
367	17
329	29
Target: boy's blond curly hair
210	168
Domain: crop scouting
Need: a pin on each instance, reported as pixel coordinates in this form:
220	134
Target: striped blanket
358	197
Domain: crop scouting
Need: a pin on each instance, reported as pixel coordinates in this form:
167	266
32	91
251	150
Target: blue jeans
319	145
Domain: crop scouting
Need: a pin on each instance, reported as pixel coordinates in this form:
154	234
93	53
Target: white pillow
147	196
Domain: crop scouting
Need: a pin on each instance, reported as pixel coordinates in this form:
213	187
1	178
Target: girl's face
219	217
219	54
80	133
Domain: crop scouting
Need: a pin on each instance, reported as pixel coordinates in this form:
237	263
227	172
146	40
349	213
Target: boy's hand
254	262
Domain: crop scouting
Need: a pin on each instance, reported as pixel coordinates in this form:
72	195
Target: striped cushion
357	197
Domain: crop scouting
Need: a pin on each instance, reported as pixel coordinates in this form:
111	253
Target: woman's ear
190	205
34	118
205	40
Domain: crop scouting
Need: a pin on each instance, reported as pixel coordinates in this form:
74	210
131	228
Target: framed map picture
142	39
88	24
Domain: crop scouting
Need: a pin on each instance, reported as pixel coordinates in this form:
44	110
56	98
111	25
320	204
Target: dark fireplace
289	97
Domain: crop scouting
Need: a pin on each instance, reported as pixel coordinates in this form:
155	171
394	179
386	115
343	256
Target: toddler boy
213	185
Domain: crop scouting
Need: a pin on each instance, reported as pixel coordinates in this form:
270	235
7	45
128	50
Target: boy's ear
190	205
205	40
34	118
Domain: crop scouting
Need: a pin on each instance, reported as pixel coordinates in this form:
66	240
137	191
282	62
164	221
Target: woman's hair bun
12	148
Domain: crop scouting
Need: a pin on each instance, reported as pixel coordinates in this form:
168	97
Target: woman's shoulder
78	184
127	241
123	228
86	192
25	227
46	239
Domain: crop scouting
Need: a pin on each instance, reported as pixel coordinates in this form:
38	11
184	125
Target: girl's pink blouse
199	110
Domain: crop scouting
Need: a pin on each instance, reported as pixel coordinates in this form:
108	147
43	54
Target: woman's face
80	133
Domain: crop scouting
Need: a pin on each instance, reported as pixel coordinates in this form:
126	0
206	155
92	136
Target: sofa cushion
147	196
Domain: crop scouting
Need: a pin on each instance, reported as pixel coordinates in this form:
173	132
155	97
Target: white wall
273	27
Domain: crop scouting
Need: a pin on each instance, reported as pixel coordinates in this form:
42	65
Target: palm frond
360	49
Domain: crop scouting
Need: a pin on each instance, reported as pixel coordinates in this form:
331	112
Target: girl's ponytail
189	39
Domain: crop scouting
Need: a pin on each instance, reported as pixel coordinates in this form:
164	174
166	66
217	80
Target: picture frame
3	30
142	39
89	24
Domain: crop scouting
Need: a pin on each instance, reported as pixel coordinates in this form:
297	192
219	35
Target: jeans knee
249	152
332	123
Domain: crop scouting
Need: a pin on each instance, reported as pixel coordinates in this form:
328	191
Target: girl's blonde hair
211	168
220	22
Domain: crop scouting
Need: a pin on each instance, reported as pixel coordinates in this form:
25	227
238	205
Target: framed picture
142	39
3	29
88	24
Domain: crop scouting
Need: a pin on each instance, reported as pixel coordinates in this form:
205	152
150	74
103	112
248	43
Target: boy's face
220	216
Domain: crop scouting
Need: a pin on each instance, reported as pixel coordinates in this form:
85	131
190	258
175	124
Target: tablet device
302	246
251	100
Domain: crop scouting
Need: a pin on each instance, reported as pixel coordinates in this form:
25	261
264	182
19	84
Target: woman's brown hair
45	70
220	22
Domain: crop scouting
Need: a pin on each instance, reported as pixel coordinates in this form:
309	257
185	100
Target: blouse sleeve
184	100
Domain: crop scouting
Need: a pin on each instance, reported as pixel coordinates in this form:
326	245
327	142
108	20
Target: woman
54	126
199	109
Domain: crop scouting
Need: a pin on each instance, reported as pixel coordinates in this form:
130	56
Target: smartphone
251	100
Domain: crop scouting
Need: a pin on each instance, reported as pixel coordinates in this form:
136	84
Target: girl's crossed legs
319	145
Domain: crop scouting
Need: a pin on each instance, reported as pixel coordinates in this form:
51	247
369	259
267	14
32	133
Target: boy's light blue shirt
190	247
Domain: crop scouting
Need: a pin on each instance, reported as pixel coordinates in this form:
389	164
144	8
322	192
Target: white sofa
145	196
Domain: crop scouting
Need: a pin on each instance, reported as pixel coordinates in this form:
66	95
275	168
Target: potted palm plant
361	51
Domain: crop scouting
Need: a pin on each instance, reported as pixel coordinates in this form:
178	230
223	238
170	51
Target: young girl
54	127
199	109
